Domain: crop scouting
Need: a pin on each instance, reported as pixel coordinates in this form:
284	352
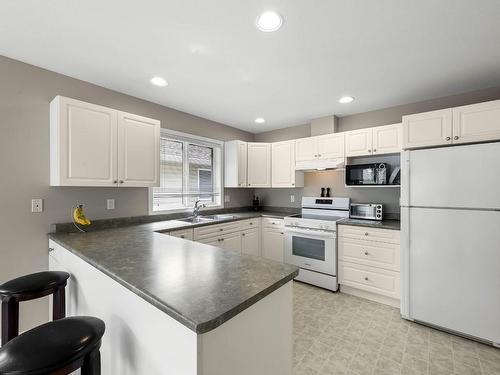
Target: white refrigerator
450	239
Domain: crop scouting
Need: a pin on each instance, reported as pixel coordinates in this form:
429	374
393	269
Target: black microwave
371	174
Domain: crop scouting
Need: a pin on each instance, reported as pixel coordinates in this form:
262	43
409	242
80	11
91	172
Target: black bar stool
55	348
26	288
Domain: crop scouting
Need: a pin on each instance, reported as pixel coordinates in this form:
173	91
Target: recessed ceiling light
269	21
159	81
346	99
260	120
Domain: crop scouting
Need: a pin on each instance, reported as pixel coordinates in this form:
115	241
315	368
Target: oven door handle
311	232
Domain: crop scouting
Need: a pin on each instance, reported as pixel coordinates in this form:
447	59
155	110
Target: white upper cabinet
138	150
83	144
387	139
283	166
466	124
330	146
321	147
427	129
306	149
91	145
358	142
259	164
235	164
476	122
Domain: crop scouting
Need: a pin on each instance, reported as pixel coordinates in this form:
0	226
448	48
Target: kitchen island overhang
174	306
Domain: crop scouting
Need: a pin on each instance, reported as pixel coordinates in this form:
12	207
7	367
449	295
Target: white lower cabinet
242	236
272	239
369	263
187	234
232	241
250	242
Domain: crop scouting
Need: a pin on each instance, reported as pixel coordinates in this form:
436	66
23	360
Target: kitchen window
190	170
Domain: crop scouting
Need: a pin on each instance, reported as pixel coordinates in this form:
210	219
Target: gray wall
25	93
315	180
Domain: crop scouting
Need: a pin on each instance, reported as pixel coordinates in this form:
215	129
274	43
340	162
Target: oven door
315	250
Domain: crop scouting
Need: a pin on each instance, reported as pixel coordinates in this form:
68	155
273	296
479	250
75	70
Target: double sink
207	218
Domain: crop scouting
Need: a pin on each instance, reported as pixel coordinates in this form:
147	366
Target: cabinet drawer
218	229
370	279
370	253
372	234
250	223
183	233
270	222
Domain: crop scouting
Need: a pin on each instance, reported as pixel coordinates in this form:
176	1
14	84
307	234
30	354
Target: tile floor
335	333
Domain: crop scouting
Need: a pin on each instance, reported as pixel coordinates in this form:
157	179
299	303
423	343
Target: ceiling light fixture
159	81
269	21
346	99
260	120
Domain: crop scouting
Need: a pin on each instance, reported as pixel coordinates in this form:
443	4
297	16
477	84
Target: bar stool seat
26	288
57	347
34	284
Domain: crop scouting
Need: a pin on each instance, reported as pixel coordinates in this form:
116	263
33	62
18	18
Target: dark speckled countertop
199	285
384	224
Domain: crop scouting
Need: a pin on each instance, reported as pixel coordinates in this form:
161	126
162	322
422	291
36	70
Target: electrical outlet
227	198
110	204
292	198
37	205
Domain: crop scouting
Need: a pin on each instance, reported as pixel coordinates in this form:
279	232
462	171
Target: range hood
320	165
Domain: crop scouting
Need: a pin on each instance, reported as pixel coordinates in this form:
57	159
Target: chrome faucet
196	208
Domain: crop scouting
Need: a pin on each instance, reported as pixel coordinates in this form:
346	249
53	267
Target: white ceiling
219	66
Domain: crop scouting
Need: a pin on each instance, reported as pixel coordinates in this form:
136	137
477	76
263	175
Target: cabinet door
427	129
283	164
358	142
476	122
250	242
232	242
183	233
259	164
387	139
242	164
138	151
330	146
306	149
83	140
272	244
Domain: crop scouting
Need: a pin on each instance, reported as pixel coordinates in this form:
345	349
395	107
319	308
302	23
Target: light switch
37	205
292	198
110	204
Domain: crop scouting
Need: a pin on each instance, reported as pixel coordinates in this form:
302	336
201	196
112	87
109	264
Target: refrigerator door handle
405	179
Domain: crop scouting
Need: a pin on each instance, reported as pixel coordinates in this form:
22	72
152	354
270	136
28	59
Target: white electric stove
311	240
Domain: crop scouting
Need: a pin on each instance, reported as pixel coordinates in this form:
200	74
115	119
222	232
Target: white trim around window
179	196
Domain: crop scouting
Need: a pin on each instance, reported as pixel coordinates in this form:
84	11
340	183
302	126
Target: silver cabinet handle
369	150
282	233
121	181
222	239
243	234
366	233
182	236
366	252
250	223
319	155
374	150
455	137
51	249
221	229
448	138
366	278
115	181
